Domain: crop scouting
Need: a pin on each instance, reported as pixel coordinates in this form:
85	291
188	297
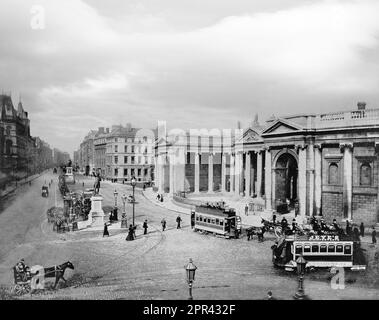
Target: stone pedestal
96	215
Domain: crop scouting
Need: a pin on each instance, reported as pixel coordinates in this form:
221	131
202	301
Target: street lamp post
133	182
190	270
115	193
124	223
300	265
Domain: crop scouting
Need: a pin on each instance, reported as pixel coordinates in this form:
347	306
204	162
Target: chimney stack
107	130
361	105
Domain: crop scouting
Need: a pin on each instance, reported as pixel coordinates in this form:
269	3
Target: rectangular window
132	149
307	248
125	172
125	159
331	248
132	172
139	172
299	249
146	172
116	148
126	149
115	159
315	248
139	160
339	248
348	249
132	160
323	248
116	172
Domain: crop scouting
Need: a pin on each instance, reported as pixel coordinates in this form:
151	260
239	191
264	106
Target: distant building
100	147
17	146
130	153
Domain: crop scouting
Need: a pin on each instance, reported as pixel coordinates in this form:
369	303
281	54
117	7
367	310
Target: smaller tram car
217	220
325	251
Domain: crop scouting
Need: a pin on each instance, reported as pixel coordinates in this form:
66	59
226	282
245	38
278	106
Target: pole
190	290
133	204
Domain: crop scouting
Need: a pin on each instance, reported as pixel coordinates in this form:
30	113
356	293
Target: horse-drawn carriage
45	191
26	279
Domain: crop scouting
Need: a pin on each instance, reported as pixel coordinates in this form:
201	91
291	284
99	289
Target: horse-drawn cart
22	282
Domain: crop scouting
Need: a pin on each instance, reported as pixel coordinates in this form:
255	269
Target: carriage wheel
17	290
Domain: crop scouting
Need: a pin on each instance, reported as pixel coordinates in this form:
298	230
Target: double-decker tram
320	251
216	219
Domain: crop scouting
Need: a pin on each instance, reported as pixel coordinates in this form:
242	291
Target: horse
58	272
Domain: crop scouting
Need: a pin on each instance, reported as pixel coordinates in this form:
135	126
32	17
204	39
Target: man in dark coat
130	236
362	229
356	234
163	222
178	220
373	235
145	227
348	228
105	232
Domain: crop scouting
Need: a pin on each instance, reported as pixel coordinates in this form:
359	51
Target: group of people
132	234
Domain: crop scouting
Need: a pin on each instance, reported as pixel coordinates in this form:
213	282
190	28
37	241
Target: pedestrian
105	232
144	187
274	218
145	227
163	222
373	235
161	197
348	228
269	296
356	234
362	229
246	210
178	220
130	236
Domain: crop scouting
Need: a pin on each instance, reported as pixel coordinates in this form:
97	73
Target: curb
181	212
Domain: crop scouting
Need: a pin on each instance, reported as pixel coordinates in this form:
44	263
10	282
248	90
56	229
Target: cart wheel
17	290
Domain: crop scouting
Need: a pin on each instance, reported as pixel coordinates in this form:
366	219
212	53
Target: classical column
160	174
237	177
259	173
172	173
347	179
232	172
247	174
318	181
268	178
302	179
210	172
197	172
223	172
311	180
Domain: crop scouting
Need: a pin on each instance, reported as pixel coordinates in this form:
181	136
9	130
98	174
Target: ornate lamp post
133	182
190	270
300	264
115	193
124	223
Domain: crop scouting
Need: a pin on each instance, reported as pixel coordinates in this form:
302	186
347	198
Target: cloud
193	67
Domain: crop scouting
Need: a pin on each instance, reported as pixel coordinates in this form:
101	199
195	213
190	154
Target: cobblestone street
152	266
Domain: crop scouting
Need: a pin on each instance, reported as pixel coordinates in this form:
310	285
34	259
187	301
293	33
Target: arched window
8	147
333	174
365	174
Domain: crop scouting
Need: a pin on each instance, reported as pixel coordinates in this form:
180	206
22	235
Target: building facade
323	164
130	153
100	148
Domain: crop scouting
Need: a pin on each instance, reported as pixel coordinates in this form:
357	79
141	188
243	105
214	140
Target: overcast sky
193	63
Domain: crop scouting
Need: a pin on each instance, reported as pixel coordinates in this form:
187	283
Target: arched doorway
285	180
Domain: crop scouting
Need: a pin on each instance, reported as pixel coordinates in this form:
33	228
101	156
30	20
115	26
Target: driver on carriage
21	267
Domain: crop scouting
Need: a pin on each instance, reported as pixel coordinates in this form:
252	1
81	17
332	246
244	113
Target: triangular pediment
281	126
251	135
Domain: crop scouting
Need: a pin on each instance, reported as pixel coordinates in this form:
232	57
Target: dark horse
58	272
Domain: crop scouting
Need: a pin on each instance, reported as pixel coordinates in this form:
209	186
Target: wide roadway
152	266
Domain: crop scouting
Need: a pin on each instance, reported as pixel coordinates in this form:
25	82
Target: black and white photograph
189	150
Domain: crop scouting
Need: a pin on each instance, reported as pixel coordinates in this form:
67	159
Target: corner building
322	164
